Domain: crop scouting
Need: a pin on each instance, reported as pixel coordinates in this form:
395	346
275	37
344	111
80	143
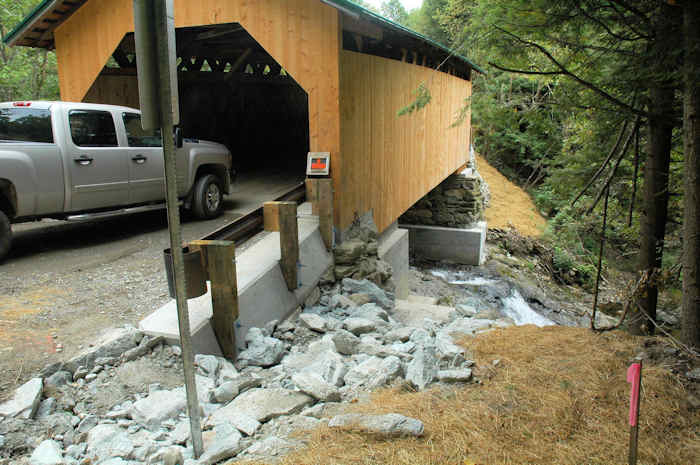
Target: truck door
98	167
145	159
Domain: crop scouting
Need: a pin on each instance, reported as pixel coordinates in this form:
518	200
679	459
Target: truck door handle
140	159
83	160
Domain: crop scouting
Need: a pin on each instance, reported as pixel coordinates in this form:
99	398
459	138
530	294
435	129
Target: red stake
634	377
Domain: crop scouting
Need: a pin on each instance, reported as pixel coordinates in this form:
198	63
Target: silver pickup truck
77	160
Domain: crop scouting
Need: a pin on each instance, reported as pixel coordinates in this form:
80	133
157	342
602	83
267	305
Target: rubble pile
295	375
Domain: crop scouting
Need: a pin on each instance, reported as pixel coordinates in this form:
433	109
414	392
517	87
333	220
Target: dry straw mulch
558	396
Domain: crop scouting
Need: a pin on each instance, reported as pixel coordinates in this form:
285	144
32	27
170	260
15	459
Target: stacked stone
357	257
458	202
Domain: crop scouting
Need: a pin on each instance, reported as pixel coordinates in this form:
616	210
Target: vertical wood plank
271	216
324	188
289	242
219	260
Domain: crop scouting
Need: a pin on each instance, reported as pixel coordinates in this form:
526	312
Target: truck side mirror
178	137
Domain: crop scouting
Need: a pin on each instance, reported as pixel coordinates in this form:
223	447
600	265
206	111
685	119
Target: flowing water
492	292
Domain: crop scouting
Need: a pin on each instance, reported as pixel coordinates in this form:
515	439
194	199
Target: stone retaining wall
458	202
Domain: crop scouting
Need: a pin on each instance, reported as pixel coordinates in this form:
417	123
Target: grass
558	396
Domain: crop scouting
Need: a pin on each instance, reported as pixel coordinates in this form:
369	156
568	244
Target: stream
488	293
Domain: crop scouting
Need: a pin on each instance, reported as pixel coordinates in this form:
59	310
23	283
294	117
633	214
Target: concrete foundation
459	245
262	292
393	249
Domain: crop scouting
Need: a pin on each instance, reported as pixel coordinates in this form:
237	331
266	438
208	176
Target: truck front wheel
5	235
208	198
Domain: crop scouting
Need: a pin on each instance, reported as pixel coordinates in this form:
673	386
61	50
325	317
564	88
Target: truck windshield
25	125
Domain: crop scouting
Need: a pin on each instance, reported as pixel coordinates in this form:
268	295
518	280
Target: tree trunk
690	317
655	210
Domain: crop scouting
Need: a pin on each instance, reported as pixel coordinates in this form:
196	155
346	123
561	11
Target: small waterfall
515	307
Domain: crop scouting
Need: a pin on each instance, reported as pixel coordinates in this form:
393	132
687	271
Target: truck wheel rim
213	197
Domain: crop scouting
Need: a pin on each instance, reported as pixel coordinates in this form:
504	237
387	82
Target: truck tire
5	235
208	198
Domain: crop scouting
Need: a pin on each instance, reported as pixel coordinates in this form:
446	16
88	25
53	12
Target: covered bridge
274	79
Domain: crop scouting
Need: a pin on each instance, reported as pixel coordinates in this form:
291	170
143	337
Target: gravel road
65	282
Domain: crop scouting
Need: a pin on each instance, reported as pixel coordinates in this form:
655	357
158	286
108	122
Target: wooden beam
219	260
289	243
271	216
324	198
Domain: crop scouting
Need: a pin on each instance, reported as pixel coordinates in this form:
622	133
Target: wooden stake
324	198
218	258
634	377
271	216
289	242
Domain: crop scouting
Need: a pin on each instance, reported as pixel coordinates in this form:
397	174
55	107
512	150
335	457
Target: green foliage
25	73
395	11
423	97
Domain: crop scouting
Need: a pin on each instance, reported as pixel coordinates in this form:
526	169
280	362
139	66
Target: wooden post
324	197
219	260
634	377
289	242
271	216
311	194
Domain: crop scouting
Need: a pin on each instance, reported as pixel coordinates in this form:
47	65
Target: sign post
154	31
634	377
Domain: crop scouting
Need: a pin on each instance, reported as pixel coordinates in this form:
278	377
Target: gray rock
48	453
405	347
76	450
263	404
87	423
112	344
360	298
455	376
181	433
348	252
242	422
468	326
374	372
222	449
207	365
422	370
167	456
46	408
147	343
421	337
271	446
159	406
108	440
225	393
313	322
325	410
331	367
25	401
314	385
371	312
446	347
80	373
375	293
401	334
342	302
359	326
227	372
466	310
262	351
345	342
391	424
58	379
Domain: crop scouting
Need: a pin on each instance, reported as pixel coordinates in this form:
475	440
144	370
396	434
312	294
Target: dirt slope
510	205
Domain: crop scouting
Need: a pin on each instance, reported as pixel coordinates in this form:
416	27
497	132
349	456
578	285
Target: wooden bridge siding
389	162
302	36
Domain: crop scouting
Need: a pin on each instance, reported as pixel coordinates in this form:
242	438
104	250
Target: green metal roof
347	4
26	21
354	7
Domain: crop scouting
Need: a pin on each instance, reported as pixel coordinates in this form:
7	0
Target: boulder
374	372
340	301
25	401
454	376
271	446
263	404
468	326
207	365
48	453
401	334
58	379
223	448
360	298
345	342
391	424
359	326
375	293
112	344
262	350
313	322
159	406
348	252
314	385
109	440
422	370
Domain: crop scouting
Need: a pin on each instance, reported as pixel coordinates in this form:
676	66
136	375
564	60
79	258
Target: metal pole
166	111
